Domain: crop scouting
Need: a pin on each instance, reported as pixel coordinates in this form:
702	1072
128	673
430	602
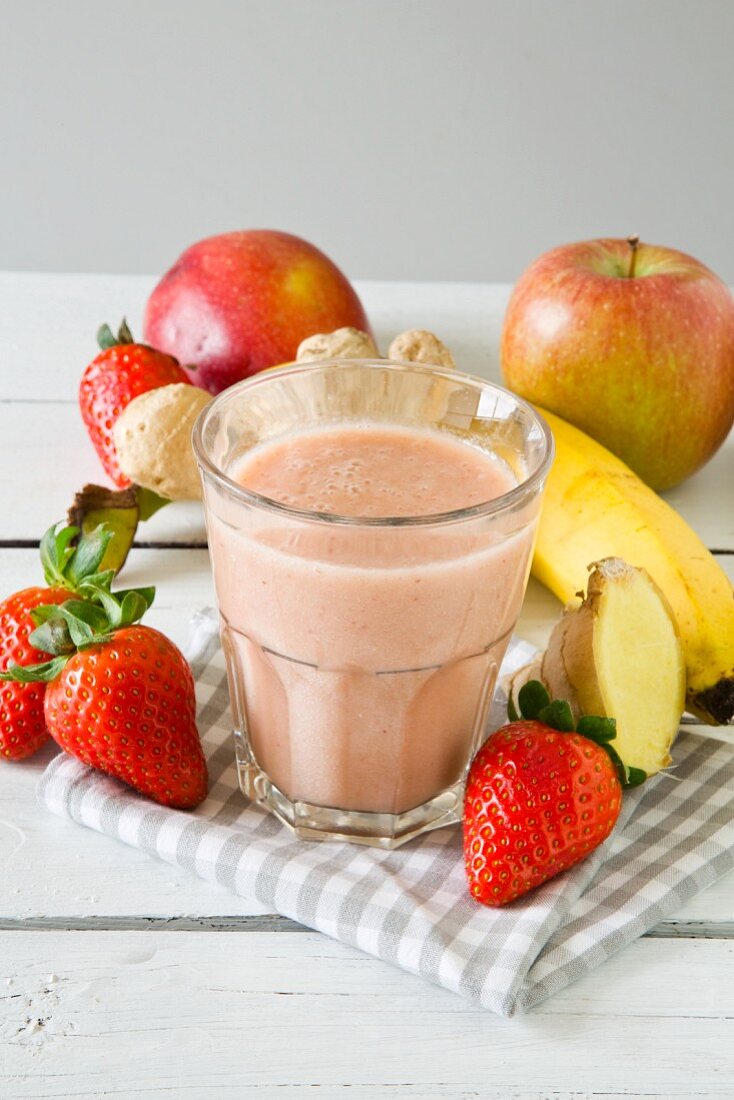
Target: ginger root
153	440
417	345
617	653
343	343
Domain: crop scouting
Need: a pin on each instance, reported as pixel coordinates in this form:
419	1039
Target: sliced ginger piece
621	655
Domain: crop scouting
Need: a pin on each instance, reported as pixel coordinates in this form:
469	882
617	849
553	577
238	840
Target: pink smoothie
368	653
374	471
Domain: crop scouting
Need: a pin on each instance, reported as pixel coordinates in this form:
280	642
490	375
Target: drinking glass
362	653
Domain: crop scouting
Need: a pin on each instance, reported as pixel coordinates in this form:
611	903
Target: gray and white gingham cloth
411	907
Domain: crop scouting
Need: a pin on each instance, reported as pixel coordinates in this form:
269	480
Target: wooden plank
137	1014
52	458
48	323
65	460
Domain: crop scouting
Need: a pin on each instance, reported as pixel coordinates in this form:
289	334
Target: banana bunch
595	507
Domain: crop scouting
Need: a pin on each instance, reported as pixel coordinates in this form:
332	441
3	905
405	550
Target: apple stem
634	242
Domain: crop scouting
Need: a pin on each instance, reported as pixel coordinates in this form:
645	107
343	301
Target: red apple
234	304
632	343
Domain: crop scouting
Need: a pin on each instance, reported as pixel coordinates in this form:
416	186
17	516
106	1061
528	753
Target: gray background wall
415	139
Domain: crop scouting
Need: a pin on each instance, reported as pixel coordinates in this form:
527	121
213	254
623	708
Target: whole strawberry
66	568
539	797
126	706
121	372
22	724
120	696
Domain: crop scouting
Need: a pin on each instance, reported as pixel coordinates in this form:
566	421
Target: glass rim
498	504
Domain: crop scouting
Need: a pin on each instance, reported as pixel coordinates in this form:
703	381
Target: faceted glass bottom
310	822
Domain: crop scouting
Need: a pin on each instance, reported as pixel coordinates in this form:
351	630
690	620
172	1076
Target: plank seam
716	930
33	544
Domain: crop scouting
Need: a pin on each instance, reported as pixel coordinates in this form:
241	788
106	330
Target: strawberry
126	706
120	696
122	371
22	725
67	569
539	797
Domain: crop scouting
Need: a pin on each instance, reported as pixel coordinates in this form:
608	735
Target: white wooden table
120	976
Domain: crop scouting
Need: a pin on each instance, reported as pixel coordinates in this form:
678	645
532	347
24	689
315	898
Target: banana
595	507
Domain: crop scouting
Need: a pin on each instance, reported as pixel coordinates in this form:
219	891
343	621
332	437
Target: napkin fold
411	907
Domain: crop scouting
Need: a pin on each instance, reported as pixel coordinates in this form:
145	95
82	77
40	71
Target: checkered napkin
411	907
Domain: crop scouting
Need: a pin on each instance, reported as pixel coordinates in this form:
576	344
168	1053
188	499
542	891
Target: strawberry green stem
107	339
68	565
535	704
91	615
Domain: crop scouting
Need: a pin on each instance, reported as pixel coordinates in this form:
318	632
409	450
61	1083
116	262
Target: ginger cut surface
620	653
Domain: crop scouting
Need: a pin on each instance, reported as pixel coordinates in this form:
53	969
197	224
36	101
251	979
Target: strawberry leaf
56	551
53	636
623	771
110	603
532	698
133	608
124	335
101	580
147	593
85	612
32	674
81	632
107	339
88	555
124	607
43	613
76	625
69	566
558	715
628	777
62	629
64	541
600	730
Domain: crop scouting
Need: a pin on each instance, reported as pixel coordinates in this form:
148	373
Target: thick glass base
312	822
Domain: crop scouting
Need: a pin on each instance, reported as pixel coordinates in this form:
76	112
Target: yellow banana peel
595	507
